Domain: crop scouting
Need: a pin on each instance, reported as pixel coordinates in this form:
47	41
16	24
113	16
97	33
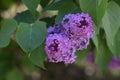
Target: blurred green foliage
5	4
22	38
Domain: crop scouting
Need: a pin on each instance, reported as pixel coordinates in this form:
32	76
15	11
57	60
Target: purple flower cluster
58	49
114	63
73	33
79	28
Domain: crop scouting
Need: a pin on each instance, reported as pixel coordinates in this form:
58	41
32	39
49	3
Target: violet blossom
73	33
58	49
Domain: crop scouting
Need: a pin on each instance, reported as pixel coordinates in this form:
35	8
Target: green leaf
44	3
14	75
117	43
95	37
95	41
112	47
56	5
96	8
32	5
117	1
30	37
77	10
37	56
103	56
8	27
4	40
111	23
26	17
66	8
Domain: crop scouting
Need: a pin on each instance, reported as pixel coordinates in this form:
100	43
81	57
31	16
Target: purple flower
79	28
50	30
59	49
56	29
114	63
81	43
73	33
78	24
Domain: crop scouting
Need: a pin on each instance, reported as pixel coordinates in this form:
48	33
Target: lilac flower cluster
73	33
58	49
79	28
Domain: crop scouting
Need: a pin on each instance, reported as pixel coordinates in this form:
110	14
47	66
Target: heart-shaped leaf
29	36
